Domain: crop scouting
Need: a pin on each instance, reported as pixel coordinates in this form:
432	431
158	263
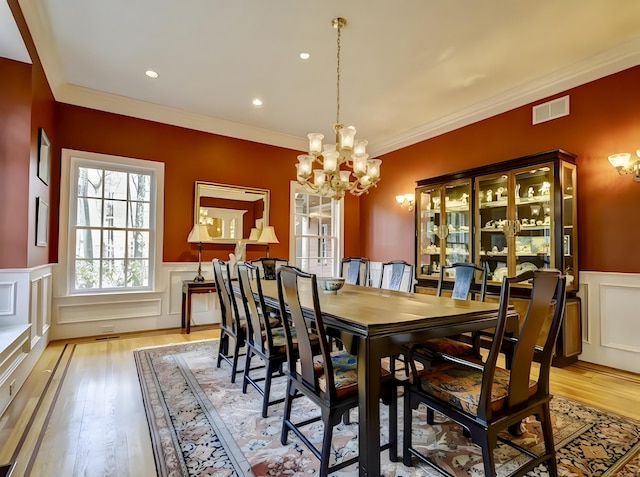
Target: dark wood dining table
380	323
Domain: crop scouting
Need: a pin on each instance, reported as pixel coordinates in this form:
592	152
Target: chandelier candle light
331	181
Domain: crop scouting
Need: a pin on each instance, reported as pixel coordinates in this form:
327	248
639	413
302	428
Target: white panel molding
8	298
583	293
620	329
44	320
612	319
109	310
77	316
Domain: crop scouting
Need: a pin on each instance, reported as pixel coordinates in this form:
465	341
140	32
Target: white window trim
296	187
65	251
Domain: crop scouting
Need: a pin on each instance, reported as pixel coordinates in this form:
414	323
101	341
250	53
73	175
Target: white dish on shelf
525	267
499	273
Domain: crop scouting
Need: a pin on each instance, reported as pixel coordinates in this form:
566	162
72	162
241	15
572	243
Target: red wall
191	156
15	121
26	104
604	119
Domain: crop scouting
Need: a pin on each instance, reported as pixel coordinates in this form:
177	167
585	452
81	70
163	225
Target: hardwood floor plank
91	421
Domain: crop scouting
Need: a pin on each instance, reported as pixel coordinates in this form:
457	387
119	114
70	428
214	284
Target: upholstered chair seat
460	386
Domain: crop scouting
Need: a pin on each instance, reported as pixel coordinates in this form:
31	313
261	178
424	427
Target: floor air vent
551	110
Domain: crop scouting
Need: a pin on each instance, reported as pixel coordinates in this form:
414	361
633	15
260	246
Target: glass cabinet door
457	214
493	215
534	213
570	239
428	227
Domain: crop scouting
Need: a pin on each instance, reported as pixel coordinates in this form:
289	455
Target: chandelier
331	180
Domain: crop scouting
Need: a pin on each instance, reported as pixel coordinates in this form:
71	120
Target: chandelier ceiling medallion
331	180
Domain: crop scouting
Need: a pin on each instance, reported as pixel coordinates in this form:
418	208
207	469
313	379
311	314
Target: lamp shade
199	233
254	234
268	235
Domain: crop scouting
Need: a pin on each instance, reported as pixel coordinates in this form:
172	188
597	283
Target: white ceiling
411	69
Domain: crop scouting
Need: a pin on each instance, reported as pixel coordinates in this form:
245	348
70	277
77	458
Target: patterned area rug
202	425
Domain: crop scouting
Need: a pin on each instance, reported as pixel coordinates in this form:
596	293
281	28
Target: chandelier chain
338	77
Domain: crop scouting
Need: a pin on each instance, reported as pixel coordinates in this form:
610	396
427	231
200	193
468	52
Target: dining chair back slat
396	275
355	270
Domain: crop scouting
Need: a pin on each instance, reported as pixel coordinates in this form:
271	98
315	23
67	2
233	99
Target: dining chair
396	275
233	328
486	399
465	286
269	266
327	378
355	270
264	340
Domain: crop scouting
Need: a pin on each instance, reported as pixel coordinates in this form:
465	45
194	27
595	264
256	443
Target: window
112	224
316	231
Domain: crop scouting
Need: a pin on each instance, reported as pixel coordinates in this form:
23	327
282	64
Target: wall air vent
551	110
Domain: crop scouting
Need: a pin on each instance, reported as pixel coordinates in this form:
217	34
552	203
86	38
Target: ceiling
410	69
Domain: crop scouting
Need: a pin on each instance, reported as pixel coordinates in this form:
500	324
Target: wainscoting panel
25	308
89	315
610	308
8	298
622	326
109	310
583	293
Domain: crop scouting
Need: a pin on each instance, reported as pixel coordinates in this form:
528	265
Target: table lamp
199	233
268	235
254	235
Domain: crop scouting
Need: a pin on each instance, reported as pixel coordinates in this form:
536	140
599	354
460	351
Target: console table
189	287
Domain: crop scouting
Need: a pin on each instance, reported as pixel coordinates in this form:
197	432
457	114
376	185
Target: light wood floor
80	413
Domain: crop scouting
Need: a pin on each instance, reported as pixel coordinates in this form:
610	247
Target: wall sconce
406	200
625	165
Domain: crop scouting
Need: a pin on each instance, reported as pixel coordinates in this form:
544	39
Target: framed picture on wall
44	156
42	222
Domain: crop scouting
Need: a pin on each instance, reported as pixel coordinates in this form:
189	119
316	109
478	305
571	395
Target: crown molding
609	62
89	98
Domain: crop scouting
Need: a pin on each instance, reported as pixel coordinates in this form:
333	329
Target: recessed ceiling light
257	102
151	74
304	56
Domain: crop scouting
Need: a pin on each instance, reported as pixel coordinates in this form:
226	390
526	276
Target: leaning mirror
229	211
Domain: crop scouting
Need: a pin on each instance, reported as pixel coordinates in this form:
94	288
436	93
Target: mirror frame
209	189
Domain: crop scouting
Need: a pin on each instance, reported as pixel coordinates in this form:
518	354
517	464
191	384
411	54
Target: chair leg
406	438
430	416
222	348
326	444
286	416
236	355
547	433
488	443
247	366
267	388
393	425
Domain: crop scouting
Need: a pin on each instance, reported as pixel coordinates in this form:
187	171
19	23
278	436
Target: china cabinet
508	217
444	225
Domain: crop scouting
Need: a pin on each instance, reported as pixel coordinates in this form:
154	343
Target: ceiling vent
551	110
